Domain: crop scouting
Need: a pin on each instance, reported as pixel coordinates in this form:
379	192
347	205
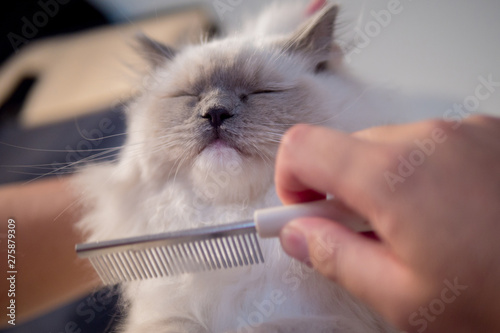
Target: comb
207	248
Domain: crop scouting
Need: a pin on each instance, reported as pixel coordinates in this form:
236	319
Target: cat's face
227	103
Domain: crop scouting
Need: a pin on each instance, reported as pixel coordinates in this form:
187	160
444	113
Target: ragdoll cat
200	150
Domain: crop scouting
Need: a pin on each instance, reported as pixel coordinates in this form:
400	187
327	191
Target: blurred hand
432	196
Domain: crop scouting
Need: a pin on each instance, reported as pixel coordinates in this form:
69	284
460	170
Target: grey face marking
244	93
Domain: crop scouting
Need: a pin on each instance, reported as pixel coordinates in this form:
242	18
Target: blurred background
428	47
67	70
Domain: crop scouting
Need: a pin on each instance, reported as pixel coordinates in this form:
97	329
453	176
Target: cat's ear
315	37
153	51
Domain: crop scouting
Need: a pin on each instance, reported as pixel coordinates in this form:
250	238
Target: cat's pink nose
216	116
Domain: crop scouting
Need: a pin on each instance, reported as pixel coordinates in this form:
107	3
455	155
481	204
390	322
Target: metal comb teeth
174	253
208	248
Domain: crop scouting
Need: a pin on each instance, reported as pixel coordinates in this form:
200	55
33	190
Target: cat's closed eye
244	97
265	92
180	94
321	67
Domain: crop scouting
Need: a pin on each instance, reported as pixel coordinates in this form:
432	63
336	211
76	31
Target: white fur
148	192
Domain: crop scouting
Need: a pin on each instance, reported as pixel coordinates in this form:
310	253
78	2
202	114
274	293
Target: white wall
434	47
438	47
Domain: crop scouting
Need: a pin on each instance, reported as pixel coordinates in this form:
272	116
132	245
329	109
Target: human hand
431	193
49	273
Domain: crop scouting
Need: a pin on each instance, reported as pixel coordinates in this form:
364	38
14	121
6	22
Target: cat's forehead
229	66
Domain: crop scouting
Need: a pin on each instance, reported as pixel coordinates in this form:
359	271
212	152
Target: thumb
363	266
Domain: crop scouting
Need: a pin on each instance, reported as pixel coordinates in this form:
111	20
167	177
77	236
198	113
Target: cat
201	146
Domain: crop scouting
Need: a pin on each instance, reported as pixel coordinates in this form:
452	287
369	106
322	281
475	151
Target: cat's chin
222	174
218	156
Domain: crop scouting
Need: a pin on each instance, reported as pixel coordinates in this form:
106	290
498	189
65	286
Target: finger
395	134
313	160
364	267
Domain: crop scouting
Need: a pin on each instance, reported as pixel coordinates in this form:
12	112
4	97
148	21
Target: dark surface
52	151
58	149
23	21
96	313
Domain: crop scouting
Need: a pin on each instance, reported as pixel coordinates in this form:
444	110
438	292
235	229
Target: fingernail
294	242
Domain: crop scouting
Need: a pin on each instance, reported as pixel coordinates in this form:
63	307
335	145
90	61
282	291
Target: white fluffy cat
200	151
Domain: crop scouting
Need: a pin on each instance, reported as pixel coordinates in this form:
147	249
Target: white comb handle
270	221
